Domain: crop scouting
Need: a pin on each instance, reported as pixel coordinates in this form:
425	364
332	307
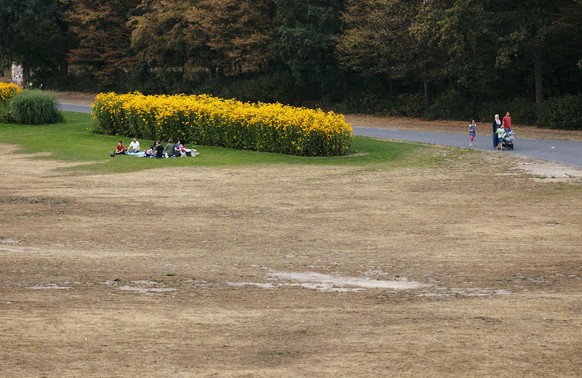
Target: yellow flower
7	91
290	125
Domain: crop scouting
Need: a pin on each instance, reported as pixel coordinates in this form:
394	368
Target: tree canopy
469	50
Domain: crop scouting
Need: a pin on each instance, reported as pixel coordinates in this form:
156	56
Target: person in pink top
507	122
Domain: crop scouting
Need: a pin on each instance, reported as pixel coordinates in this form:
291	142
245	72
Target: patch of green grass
72	141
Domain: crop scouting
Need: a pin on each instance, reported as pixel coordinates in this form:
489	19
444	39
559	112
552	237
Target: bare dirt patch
132	275
549	171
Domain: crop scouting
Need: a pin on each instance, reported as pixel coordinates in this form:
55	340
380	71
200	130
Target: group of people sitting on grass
156	150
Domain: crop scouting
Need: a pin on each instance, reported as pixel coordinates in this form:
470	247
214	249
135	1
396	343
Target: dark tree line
388	55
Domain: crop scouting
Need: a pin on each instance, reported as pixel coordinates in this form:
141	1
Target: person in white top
133	146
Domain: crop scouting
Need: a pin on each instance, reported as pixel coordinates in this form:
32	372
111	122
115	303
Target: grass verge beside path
73	141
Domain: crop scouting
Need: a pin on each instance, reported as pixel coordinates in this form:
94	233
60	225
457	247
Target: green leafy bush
522	111
563	112
7	91
4	113
449	105
35	107
408	105
452	105
404	105
268	87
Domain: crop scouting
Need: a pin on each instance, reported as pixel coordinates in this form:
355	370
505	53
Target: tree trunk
538	74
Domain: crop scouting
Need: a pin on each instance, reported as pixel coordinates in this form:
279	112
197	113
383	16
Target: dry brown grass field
469	267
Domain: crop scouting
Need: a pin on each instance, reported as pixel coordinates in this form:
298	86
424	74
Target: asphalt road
559	151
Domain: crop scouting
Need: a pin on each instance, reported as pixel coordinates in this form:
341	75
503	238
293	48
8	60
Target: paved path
76	108
559	151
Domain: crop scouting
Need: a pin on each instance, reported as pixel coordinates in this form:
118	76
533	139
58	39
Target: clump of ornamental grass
34	107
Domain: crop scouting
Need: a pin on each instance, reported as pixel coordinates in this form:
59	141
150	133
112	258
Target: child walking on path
472	132
500	135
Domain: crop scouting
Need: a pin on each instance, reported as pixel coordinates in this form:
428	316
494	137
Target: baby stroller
508	140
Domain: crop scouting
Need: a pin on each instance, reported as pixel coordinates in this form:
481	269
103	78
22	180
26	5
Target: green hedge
561	113
564	112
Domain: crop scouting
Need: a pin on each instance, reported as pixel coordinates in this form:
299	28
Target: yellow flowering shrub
207	120
7	91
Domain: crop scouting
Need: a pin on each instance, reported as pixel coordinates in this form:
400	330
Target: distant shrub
7	91
35	107
404	105
362	104
407	105
523	111
268	87
4	113
451	104
563	112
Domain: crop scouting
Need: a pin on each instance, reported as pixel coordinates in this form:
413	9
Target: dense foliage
7	91
207	120
562	113
34	107
434	58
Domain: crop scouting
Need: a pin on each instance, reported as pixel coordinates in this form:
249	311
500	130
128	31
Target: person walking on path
500	135
507	122
496	124
472	132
